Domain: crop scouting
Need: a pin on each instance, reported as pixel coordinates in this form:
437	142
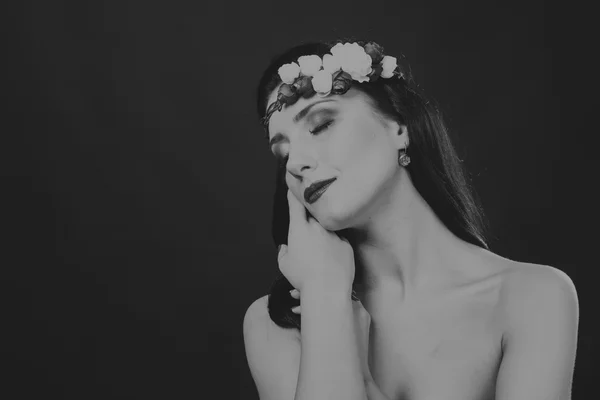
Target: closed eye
282	161
321	128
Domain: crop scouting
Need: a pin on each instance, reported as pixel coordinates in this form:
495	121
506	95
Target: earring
404	159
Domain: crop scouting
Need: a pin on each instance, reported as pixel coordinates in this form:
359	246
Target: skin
447	319
403	247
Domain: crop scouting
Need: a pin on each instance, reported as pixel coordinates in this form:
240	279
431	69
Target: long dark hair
435	169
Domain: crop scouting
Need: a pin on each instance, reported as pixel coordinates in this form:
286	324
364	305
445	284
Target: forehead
285	118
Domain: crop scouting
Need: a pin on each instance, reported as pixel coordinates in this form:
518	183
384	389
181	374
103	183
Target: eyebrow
302	114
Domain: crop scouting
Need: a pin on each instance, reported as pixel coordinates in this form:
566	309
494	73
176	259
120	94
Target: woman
386	268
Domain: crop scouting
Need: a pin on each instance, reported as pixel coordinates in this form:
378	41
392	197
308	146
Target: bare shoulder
256	314
539	319
257	318
530	292
526	280
272	352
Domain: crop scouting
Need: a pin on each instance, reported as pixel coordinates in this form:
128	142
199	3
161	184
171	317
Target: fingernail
281	249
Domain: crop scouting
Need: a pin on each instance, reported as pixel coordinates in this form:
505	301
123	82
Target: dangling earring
404	159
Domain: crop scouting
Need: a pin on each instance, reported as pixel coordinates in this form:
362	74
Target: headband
332	74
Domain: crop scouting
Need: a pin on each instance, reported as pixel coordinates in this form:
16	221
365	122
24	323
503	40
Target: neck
402	248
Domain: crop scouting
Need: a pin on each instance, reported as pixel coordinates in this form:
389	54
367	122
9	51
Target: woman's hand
362	323
314	256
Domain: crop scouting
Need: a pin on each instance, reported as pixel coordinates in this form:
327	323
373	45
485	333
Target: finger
282	251
361	312
295	293
297	210
296	310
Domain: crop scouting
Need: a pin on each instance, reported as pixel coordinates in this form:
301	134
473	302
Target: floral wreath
333	74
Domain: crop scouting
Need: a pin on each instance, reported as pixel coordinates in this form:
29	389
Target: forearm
330	363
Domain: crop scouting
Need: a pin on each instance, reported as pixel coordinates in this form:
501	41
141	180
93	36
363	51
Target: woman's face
340	137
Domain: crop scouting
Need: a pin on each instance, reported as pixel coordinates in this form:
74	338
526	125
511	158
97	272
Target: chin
332	224
334	214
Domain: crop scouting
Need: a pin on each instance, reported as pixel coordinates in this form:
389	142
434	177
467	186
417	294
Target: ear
398	134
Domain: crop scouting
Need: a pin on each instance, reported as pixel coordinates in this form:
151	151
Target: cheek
354	142
363	151
369	164
371	169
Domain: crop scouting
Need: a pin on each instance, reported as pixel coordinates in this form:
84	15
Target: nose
299	161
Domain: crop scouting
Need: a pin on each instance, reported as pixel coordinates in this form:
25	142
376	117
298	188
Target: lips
314	191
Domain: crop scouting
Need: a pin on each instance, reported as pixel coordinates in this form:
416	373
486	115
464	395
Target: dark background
137	195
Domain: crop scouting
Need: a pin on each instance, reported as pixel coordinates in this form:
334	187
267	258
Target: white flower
322	82
389	65
309	65
289	72
331	64
354	60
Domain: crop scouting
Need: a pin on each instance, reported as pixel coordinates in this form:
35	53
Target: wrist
326	291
